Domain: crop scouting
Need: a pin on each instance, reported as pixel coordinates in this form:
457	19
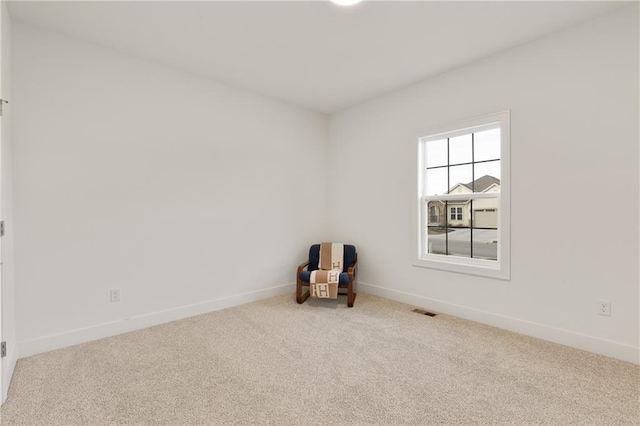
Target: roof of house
481	184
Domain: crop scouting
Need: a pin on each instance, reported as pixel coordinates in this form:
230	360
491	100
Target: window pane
487	174
459	242
485	244
460	175
437	181
486	145
460	149
436	240
437	153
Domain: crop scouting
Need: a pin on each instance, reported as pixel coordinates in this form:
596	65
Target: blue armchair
346	279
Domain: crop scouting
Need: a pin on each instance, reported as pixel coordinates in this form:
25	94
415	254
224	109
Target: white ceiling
313	54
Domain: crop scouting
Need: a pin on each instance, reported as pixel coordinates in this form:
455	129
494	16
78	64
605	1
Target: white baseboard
556	335
8	366
88	334
73	337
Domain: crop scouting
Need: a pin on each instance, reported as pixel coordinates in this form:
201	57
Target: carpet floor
277	362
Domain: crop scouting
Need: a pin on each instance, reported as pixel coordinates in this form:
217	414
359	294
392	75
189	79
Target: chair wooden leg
351	296
300	297
305	296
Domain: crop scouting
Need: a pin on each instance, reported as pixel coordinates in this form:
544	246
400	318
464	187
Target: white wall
6	208
184	193
573	98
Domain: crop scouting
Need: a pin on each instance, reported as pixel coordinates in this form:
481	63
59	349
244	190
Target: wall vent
423	312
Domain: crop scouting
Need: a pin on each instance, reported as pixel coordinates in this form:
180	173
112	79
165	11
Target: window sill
481	268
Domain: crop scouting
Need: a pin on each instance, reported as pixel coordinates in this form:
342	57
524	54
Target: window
433	215
463	169
456	213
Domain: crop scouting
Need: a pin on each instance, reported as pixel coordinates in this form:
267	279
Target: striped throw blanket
324	281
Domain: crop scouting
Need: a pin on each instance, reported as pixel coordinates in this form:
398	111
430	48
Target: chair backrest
314	256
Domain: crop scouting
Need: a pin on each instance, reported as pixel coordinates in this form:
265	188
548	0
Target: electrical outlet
604	308
115	294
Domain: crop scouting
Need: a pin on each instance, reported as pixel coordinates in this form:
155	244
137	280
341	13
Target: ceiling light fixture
346	2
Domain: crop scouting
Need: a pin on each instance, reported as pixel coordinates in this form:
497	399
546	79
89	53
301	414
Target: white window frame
458	213
501	268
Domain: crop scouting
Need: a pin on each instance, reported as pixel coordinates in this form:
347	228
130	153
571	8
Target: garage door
485	218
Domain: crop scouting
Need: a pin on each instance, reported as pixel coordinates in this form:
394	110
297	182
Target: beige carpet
276	362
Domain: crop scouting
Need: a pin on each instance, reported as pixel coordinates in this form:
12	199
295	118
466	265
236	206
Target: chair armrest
352	268
301	267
